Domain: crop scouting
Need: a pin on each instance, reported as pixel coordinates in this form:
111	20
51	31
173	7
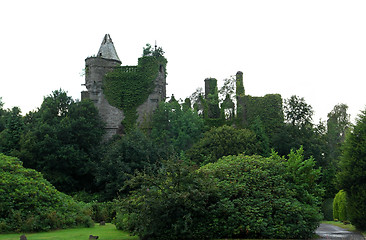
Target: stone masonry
95	70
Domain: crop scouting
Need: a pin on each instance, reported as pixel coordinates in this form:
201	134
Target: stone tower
240	99
96	68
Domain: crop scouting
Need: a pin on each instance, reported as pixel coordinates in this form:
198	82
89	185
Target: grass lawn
108	231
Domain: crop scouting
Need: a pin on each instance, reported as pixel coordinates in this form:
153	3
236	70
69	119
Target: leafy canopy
61	140
28	202
352	175
235	197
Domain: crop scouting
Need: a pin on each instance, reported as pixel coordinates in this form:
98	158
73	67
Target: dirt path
328	231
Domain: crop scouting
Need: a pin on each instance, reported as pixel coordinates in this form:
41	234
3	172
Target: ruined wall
95	70
146	110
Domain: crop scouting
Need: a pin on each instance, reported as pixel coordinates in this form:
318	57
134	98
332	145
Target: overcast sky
314	49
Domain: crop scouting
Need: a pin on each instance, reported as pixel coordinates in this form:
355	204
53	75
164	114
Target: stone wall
95	70
145	110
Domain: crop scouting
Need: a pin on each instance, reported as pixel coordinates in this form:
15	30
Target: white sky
315	49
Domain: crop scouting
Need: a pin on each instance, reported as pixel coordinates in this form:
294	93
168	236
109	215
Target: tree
10	136
298	131
156	52
61	140
122	157
352	175
223	141
297	111
338	124
175	129
170	203
2	120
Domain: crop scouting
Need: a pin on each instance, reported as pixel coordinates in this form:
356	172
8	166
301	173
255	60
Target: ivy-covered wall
127	87
212	109
267	108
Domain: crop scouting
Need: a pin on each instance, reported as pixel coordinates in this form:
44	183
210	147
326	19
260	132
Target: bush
103	211
170	204
236	197
28	202
340	210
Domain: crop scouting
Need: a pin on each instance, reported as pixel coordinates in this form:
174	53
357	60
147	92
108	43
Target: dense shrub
266	197
170	204
103	211
28	202
238	196
340	211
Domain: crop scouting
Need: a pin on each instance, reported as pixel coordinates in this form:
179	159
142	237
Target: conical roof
107	49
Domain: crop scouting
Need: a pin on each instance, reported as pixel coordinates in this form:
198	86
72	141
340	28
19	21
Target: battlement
128	68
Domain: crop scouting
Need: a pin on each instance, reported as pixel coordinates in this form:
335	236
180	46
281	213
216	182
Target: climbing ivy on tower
127	87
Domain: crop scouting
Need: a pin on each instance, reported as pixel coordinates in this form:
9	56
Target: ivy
267	108
127	87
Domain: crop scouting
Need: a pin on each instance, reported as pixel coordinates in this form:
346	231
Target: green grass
107	232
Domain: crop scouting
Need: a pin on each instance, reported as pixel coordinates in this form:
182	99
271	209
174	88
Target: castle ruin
96	68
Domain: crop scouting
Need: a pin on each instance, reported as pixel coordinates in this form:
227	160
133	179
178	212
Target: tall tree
122	157
299	130
61	141
352	175
297	111
338	124
2	120
10	136
174	129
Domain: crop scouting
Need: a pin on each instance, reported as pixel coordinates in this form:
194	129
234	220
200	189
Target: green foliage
338	124
122	157
171	203
30	203
236	197
128	87
61	140
240	92
156	52
327	209
353	171
340	210
297	111
10	136
268	109
174	129
2	118
211	103
223	141
299	131
103	211
266	197
262	138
